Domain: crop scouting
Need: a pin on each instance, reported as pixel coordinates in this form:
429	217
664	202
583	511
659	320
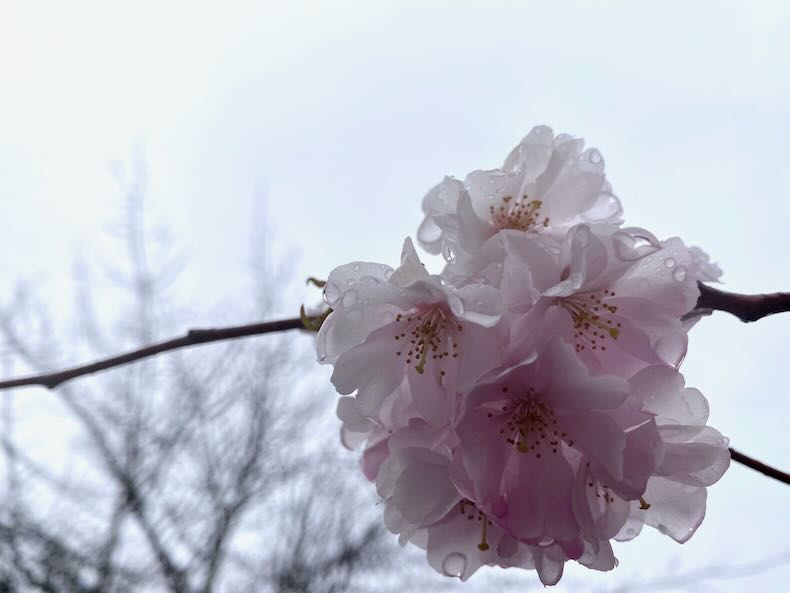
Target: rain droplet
595	156
448	254
349	299
331	293
679	274
428	232
669	262
454	565
371	280
583	235
356	267
388	274
350	282
456	304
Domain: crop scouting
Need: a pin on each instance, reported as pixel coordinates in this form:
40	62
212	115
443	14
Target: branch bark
193	337
746	307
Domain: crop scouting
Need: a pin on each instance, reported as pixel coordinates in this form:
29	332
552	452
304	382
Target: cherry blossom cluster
524	407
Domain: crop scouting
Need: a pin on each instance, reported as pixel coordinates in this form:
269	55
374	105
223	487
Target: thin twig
746	307
192	338
759	466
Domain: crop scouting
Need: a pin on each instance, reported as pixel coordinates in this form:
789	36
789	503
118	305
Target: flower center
530	425
521	214
593	320
427	333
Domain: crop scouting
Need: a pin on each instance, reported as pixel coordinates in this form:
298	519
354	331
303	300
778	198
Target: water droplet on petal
456	304
428	232
388	274
454	565
595	156
370	280
583	235
331	293
669	262
447	253
679	274
349	299
350	282
356	267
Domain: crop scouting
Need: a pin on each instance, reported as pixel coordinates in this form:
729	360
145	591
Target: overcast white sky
347	113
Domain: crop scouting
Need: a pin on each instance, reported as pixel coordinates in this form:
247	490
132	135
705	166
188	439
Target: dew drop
595	156
583	235
454	565
349	299
331	293
456	304
448	254
388	274
679	274
669	262
356	267
428	232
350	282
370	280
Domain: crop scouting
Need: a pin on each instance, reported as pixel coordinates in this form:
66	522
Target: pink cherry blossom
615	294
524	435
546	183
388	326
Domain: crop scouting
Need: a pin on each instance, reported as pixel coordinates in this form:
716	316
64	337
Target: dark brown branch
746	307
759	466
192	338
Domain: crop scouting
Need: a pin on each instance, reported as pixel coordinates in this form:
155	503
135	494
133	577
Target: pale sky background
348	112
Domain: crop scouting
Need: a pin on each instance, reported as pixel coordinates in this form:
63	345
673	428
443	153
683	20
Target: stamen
429	332
483	545
521	214
530	424
643	504
590	323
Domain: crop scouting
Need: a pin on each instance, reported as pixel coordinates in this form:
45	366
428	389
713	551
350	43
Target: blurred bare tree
208	470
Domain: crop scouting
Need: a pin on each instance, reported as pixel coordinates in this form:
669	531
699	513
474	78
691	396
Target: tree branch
746	307
192	338
759	466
